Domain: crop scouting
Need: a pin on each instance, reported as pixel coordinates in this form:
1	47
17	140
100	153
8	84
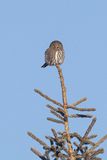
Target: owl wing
49	56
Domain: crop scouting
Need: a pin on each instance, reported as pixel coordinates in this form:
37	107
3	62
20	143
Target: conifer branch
48	98
37	153
55	120
37	139
79	102
80	116
64	98
68	145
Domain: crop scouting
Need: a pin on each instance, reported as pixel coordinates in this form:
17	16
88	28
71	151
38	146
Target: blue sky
26	29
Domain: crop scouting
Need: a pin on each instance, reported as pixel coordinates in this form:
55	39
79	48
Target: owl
54	54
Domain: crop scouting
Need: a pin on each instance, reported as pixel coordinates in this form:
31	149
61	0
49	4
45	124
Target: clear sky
26	30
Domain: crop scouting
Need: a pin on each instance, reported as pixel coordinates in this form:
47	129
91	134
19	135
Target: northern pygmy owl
54	54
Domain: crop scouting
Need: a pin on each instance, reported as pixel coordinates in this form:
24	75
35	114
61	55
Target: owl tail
44	65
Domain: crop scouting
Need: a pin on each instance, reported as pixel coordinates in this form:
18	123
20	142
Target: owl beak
57	47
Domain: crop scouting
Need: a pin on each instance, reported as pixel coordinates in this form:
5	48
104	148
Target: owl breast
59	57
53	57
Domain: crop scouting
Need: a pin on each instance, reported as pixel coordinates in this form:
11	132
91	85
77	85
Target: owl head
56	45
